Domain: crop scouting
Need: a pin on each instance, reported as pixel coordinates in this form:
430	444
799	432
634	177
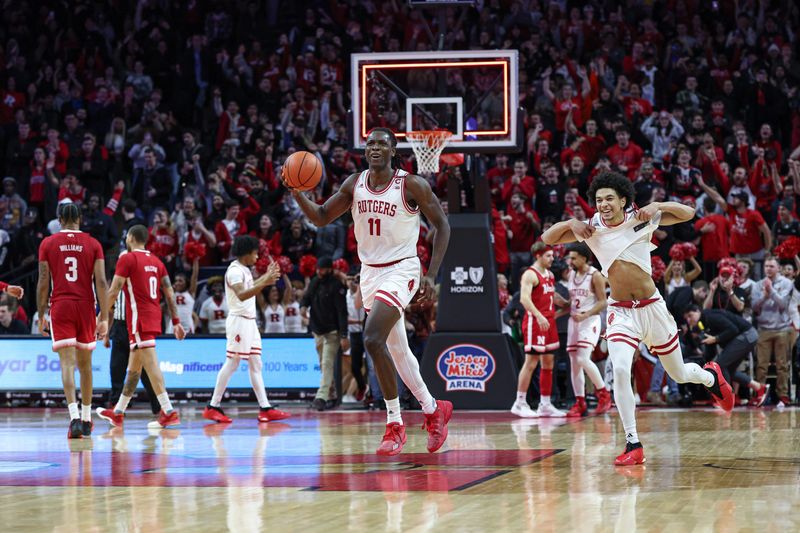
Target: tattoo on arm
43	288
130	382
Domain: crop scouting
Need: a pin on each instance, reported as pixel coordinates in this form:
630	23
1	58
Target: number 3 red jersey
543	293
142	290
70	256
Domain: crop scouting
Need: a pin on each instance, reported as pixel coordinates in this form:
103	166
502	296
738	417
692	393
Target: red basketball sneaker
633	455
760	396
436	424
270	413
168	419
721	392
603	402
216	414
393	439
578	409
115	419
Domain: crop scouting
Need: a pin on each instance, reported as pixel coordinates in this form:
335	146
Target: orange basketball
302	171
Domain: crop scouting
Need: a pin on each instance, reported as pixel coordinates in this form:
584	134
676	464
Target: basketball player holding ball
386	204
619	236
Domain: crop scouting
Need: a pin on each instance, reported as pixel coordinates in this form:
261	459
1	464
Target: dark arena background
178	116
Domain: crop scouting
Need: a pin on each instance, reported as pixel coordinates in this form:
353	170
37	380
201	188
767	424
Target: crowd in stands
179	114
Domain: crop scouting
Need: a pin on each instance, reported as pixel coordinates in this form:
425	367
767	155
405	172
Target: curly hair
612	180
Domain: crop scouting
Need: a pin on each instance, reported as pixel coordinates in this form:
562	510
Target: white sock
545	400
86	413
622	356
521	397
393	411
257	381
73	411
631	436
408	366
163	399
122	403
685	372
224	376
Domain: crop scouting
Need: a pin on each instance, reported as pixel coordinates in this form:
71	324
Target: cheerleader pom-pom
286	264
659	268
262	264
689	250
308	266
677	252
341	265
194	250
788	248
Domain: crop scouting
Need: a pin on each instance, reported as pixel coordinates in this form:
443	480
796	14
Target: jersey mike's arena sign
466	367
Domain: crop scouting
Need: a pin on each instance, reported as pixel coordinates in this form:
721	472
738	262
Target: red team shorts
142	339
537	340
73	323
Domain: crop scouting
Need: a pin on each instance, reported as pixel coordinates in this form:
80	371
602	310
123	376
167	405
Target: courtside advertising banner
29	364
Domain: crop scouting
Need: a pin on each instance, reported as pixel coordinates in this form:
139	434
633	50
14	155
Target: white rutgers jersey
386	227
273	319
184	301
215	314
292	318
238	273
628	241
581	291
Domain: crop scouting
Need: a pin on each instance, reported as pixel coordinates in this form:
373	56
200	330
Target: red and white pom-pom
285	263
308	266
262	264
195	250
788	248
689	250
659	268
341	265
677	252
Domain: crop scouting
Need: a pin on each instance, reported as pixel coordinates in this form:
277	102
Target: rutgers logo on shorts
237	338
610	318
410	285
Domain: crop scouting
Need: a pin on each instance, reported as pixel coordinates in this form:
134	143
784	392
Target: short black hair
612	180
139	233
388	132
69	213
580	248
692	308
244	245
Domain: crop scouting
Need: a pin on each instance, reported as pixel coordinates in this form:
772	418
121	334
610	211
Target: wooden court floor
706	471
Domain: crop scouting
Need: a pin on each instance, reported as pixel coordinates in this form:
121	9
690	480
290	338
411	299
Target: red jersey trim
373	191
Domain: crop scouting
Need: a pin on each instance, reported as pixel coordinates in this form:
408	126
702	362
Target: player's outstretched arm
42	296
101	287
421	194
567	231
333	208
169	297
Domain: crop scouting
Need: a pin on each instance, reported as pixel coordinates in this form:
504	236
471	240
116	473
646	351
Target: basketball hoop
428	146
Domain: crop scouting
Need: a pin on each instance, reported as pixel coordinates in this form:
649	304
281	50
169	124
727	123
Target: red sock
546	381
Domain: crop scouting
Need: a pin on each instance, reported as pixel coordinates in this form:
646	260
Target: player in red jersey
71	259
144	277
14	290
540	336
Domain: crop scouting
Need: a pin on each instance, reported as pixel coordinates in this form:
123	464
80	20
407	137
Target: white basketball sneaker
523	410
548	411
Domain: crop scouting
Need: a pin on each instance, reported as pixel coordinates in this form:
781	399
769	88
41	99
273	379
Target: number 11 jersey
386	226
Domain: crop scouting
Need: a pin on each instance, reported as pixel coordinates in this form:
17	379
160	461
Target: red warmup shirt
542	294
631	157
562	108
144	272
526	186
763	186
70	256
745	238
714	243
162	242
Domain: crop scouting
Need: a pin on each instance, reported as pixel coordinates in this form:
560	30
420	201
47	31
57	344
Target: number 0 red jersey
543	294
143	271
70	256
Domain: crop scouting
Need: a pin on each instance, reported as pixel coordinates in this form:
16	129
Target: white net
428	146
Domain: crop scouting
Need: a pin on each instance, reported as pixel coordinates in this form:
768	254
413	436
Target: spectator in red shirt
519	182
567	102
501	234
163	239
715	234
233	225
625	155
766	142
750	235
497	177
765	182
524	225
